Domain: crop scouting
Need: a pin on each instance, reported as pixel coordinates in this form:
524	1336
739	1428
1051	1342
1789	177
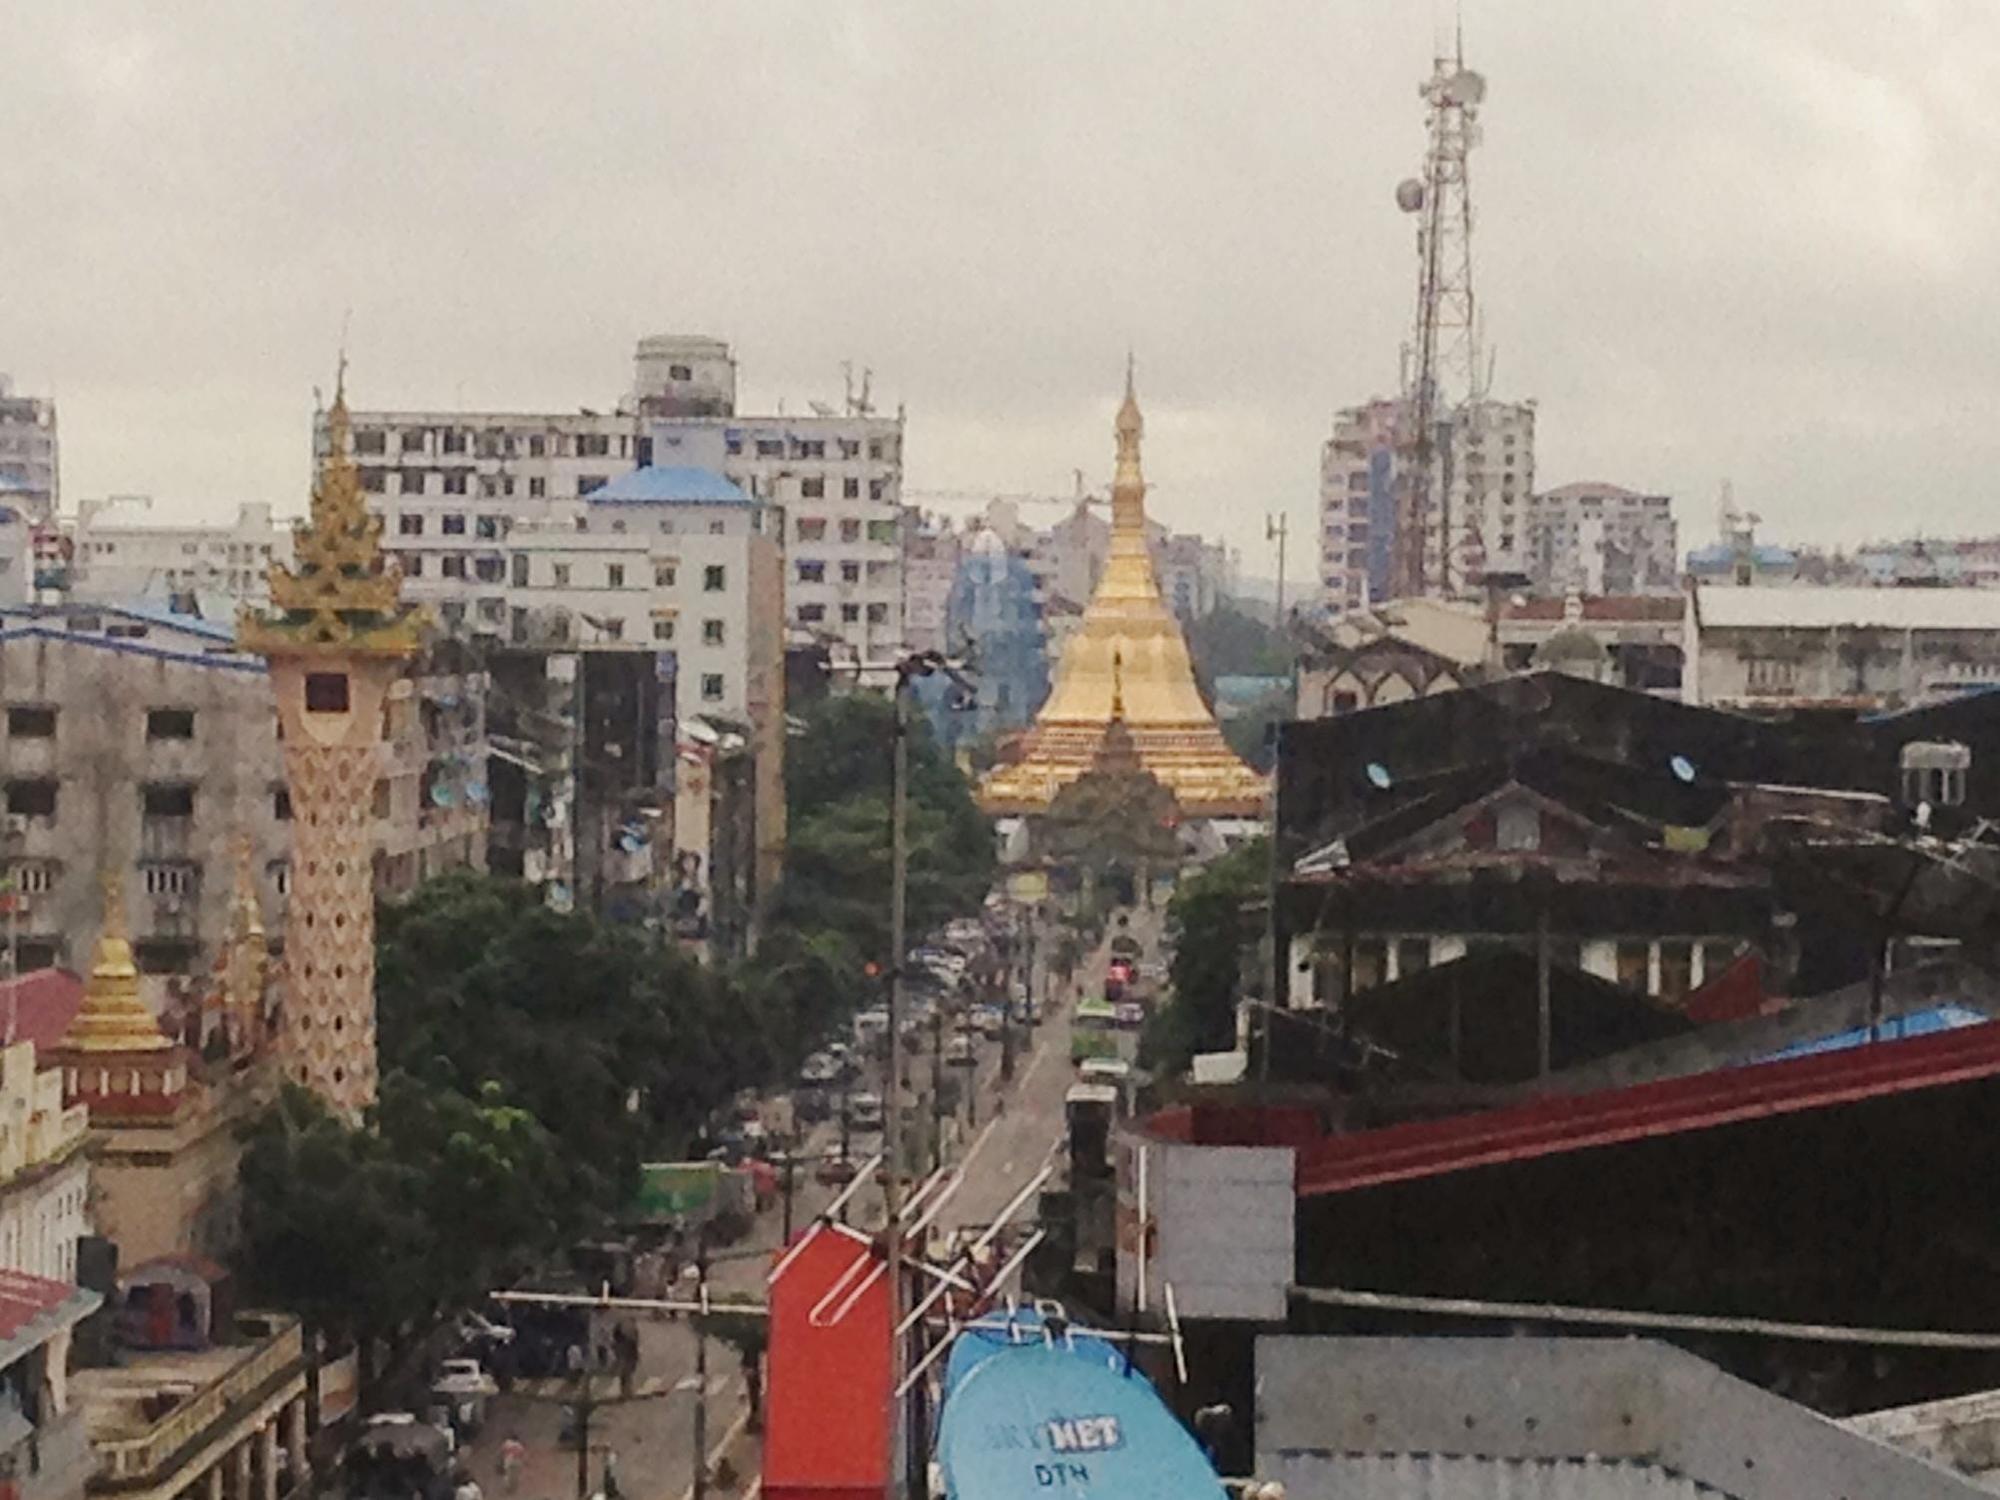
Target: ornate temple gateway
1127	665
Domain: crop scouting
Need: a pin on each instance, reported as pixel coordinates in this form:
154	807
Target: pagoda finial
340	592
112	1017
1128	484
113	929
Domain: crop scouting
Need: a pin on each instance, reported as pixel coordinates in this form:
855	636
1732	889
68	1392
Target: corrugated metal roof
1814	608
668	484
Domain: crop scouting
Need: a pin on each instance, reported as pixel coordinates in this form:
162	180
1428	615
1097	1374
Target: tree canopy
1213	923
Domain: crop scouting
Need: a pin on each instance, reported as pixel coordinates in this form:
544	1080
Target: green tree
1213	920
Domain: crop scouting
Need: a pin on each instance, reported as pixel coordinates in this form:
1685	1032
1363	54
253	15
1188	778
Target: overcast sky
1757	240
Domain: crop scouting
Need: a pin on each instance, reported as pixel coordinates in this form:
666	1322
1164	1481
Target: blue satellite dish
1379	777
1683	769
475	793
442	795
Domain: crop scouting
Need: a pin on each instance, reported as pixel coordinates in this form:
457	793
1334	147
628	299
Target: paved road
654	1439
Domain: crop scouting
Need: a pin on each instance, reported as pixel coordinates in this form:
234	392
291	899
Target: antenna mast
1443	377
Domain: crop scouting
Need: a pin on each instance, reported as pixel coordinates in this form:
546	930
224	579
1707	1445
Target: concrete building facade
1597	539
144	742
30	470
1485	469
117	560
44	1173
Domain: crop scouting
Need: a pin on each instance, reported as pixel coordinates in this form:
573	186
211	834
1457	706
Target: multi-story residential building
1485	471
44	1174
931	553
658	604
1598	539
116	561
138	740
29	468
995	617
838	482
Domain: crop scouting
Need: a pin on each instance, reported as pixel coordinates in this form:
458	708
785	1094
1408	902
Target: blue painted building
994	621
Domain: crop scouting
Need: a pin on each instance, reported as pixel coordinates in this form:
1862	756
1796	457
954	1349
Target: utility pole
892	1123
937	1087
701	1366
791	1157
1275	528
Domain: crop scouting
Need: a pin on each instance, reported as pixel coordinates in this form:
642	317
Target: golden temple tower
1128	662
337	636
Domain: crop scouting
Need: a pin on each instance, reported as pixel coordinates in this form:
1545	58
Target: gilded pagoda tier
1128	664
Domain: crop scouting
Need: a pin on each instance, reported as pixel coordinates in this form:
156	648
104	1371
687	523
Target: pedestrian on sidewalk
513	1453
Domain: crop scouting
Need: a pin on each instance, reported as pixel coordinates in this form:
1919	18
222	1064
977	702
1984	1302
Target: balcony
233	1387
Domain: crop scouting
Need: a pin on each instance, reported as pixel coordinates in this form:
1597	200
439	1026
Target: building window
593	445
452	523
850	447
1770	674
489	569
882	531
813	488
538	489
878	614
713	579
167	799
770	448
560	572
811	614
452	565
371	440
452	611
812	528
520	570
30	878
850	489
32	799
588	484
164	955
375	481
664	575
279	873
850	572
812	572
170	724
663	630
486	527
326	692
281	804
614	575
613	630
177	879
409	523
538	446
493	611
454	481
809	448
31	723
413	481
711	687
711	632
850	614
413	564
452	440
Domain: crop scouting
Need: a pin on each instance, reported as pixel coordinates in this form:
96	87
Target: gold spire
340	593
1127	664
112	1017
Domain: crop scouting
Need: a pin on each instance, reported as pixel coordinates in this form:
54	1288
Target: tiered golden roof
340	593
1128	662
112	1017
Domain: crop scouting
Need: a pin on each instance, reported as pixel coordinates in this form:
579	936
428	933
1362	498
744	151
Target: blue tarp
1893	1029
1043	1419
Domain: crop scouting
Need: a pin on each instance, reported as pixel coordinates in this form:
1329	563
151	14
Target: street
653	1438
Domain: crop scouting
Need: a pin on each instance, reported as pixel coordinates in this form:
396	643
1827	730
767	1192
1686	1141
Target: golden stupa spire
112	1017
341	592
1127	669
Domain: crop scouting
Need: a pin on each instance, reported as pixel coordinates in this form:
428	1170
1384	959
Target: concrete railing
126	1460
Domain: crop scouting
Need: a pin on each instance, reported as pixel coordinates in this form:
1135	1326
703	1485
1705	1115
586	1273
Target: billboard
1215	1222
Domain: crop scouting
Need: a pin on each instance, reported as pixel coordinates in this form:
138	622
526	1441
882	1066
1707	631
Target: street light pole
892	1124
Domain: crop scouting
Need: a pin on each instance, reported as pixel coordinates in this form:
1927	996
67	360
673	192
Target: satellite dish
1683	769
1465	87
1410	195
475	793
442	795
1379	777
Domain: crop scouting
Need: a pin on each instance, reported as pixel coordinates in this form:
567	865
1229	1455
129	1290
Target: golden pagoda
112	1017
1128	664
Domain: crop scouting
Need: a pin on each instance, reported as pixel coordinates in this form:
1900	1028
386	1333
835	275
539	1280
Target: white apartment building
29	469
1485	471
1601	539
661	560
838	483
44	1173
931	551
115	559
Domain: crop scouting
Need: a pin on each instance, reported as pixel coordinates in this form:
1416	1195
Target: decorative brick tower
337	636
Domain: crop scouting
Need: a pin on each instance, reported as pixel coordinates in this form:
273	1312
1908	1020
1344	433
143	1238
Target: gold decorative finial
341	592
1128	483
112	1017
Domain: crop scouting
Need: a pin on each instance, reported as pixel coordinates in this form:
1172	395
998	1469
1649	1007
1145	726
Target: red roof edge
1548	1127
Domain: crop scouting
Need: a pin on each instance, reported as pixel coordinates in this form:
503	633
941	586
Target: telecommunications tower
1443	378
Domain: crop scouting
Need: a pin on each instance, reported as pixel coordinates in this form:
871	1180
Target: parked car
819	1068
958	1050
1129	1015
864	1112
